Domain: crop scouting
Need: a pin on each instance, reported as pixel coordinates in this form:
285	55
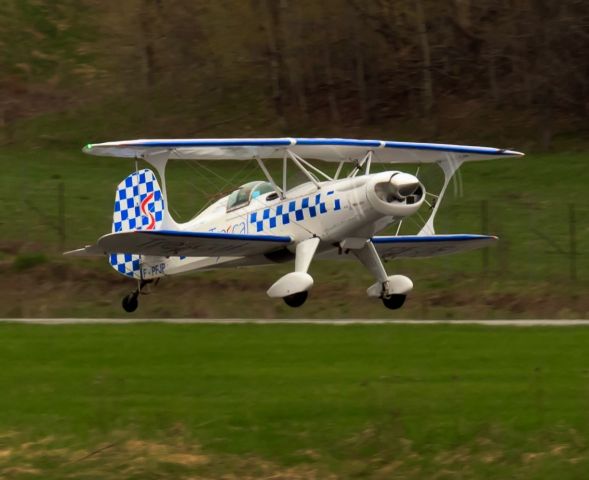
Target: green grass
477	401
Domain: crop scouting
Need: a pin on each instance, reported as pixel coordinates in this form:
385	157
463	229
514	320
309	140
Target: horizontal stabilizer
421	246
87	251
174	243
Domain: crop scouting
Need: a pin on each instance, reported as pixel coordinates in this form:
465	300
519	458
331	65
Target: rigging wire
399	228
195	187
244	171
208	170
415	221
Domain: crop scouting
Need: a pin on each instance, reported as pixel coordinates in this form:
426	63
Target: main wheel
394	301
296	299
130	302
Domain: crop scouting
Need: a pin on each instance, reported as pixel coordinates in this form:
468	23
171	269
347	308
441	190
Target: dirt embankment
45	287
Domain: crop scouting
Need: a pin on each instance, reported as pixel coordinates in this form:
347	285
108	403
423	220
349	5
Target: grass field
293	401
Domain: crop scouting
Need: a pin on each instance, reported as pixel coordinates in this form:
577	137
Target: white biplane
266	222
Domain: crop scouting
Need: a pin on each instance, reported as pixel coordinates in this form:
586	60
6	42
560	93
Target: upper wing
172	243
327	149
420	246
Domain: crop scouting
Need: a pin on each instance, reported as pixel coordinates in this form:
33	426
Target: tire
130	303
394	302
296	299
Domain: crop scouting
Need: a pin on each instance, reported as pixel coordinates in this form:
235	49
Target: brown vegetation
303	64
96	292
125	456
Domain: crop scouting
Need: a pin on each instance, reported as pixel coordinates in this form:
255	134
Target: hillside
499	72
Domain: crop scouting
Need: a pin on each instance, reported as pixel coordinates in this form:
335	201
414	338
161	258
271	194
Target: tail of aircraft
139	205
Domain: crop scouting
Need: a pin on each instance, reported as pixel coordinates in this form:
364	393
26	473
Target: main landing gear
294	287
392	290
131	301
296	299
394	302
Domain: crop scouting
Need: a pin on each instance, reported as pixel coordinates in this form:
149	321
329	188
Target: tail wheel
296	299
394	302
130	302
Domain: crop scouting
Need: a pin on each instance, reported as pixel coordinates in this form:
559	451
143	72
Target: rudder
139	205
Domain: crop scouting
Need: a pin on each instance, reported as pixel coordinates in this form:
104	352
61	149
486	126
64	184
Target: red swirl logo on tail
147	213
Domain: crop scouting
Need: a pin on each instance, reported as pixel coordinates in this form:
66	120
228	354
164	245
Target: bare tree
427	85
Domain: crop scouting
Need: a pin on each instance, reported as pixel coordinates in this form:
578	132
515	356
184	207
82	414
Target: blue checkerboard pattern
131	193
139	205
126	264
292	211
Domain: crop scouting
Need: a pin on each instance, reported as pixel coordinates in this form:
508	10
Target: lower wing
418	246
173	243
421	246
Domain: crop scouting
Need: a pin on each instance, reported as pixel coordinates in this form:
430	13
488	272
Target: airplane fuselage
333	211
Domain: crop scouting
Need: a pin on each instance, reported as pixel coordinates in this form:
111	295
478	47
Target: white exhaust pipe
404	184
395	193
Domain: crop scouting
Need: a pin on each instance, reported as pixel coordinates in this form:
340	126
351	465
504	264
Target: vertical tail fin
139	205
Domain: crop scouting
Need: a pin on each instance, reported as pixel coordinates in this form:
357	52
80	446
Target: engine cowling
397	194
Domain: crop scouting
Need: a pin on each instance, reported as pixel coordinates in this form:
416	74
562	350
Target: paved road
89	321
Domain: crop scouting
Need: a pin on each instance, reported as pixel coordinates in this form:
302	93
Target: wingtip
482	236
512	153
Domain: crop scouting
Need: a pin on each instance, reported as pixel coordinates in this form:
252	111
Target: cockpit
246	193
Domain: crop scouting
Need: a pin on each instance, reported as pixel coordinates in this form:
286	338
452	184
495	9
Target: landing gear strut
294	286
392	290
131	301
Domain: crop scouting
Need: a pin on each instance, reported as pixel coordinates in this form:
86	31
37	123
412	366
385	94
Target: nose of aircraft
395	194
404	184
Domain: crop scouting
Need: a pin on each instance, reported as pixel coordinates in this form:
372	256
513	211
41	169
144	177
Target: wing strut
295	158
284	173
339	170
269	177
449	166
366	161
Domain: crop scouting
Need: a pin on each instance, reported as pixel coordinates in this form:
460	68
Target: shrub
25	261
